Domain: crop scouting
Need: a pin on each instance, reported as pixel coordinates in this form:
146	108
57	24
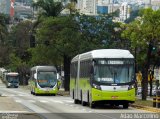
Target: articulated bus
104	76
43	80
11	79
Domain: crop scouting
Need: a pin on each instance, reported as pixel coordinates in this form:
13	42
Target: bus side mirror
35	76
58	76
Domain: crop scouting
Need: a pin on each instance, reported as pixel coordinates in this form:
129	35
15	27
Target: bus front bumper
99	95
46	91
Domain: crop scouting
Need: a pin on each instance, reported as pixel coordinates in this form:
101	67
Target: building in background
5	6
124	11
23	9
95	7
20	9
87	6
155	4
104	6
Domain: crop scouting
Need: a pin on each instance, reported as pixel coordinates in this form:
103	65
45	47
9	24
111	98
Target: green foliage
19	37
14	62
49	7
3	28
100	32
143	31
62	35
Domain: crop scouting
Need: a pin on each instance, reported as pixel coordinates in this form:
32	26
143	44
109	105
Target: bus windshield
114	73
13	79
47	79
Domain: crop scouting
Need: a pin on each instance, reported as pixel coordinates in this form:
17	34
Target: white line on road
43	101
9	111
33	101
19	101
56	101
69	101
106	116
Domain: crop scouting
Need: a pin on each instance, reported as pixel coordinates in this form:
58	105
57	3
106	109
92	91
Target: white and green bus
43	80
103	76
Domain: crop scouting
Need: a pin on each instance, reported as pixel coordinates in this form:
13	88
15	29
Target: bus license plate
48	89
114	97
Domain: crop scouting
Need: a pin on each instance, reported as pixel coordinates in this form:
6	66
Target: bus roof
12	73
44	68
104	53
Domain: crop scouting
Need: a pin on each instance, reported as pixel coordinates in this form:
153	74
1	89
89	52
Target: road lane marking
71	105
43	101
9	111
57	101
106	116
69	101
19	101
33	101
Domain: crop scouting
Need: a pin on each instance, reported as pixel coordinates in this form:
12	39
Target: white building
90	6
124	11
87	6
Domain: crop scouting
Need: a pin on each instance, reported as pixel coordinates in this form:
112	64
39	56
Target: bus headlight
96	86
131	87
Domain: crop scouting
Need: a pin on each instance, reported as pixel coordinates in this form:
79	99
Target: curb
63	93
147	108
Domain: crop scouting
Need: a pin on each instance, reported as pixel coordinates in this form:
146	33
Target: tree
70	35
64	40
3	28
144	31
49	7
20	38
4	49
101	32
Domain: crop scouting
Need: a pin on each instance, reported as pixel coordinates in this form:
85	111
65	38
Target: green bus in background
43	80
104	76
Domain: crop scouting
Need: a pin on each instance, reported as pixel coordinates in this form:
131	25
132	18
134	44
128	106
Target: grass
63	93
144	102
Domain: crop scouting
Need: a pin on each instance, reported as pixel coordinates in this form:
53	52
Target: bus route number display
110	62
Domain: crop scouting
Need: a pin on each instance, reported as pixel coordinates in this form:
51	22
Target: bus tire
125	106
33	92
76	101
91	104
73	94
83	103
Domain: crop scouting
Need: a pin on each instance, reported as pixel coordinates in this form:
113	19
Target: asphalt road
62	107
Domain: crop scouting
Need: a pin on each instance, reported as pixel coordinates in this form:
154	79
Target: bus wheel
76	101
125	106
73	94
83	103
91	104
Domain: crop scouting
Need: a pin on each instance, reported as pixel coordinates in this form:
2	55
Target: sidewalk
143	107
10	108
